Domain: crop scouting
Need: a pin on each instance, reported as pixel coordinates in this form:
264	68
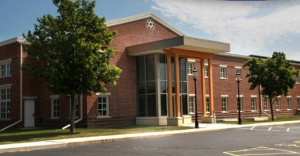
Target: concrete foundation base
174	121
151	121
187	119
207	119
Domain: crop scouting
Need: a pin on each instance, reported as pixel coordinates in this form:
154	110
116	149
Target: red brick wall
6	52
229	87
123	95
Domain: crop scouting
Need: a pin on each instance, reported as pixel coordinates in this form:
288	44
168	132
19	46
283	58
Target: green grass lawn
30	135
248	121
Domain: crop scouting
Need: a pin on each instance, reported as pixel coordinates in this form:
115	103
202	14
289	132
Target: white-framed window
224	104
266	106
241	102
289	103
238	71
190	68
207	104
297	79
191	104
298	102
278	107
253	103
223	72
5	68
55	107
206	72
76	107
103	106
5	103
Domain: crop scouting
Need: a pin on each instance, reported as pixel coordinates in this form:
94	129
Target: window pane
150	65
142	105
184	104
151	105
163	104
141	88
140	68
151	87
183	87
163	86
183	72
162	67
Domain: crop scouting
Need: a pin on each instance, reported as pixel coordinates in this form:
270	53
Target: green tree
276	75
72	51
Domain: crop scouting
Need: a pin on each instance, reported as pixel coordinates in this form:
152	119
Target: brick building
156	86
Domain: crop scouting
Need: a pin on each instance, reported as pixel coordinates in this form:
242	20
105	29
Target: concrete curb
50	144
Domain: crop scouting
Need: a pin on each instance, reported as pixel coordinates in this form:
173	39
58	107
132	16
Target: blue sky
253	27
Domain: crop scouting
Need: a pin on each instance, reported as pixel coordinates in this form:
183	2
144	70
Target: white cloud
248	26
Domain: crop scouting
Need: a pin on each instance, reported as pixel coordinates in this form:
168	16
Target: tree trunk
271	106
72	122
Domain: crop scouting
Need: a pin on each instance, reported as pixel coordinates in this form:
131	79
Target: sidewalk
49	144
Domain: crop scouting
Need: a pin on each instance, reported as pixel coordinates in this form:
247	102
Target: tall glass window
207	105
289	105
146	85
152	84
278	104
206	73
224	104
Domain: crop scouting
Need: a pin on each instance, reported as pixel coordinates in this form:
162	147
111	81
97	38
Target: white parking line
288	129
269	128
252	127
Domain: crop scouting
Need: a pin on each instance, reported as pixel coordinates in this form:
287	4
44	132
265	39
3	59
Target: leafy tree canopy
72	49
276	75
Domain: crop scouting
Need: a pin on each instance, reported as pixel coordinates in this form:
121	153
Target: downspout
81	111
21	89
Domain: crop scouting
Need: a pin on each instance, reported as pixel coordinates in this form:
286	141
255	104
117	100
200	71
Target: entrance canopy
189	44
187	47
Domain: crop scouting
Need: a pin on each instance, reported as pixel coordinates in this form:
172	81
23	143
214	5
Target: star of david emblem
150	24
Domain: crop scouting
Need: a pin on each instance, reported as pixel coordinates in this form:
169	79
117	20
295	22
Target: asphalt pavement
51	144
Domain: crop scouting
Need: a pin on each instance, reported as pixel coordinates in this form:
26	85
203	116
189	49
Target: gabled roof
143	16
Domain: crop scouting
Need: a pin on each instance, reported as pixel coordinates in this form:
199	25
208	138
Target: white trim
236	67
205	64
224	96
143	16
13	40
223	65
206	95
107	106
29	97
278	97
5	85
191	60
191	94
298	96
240	95
5	61
289	96
103	94
253	95
54	96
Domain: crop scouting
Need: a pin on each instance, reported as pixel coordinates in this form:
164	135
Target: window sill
278	109
289	109
223	78
225	112
5	119
206	77
253	110
5	76
53	118
192	113
103	117
266	110
190	74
